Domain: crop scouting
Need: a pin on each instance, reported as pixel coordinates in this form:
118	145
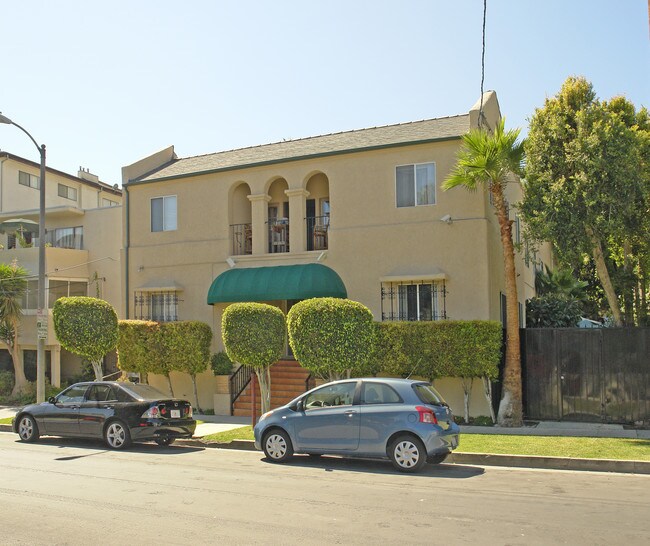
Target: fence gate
574	374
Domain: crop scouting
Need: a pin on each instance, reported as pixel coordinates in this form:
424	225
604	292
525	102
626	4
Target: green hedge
221	364
85	326
253	333
332	337
186	345
439	349
135	345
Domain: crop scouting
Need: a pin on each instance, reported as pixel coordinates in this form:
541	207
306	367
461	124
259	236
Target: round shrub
221	364
331	336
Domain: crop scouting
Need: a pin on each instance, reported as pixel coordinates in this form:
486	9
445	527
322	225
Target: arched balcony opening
241	228
278	217
318	212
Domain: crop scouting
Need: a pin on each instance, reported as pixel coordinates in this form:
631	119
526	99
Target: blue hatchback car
402	420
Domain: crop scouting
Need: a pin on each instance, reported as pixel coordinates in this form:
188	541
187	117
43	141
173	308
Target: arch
318	211
240	219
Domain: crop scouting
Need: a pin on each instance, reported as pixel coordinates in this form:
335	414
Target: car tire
407	453
277	446
27	429
164	441
117	435
437	459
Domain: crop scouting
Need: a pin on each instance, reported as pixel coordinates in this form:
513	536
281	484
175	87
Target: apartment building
83	237
358	214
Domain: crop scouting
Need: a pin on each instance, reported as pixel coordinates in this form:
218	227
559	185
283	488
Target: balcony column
259	219
297	223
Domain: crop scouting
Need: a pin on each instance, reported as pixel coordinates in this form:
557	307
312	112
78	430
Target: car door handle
74	407
108	406
351	412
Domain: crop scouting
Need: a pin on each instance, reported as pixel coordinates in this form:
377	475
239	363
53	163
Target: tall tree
491	160
585	190
13	285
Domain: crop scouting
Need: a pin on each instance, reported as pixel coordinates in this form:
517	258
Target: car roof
387	380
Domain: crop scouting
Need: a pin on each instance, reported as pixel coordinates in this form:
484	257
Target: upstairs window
423	300
64	289
29	180
67	192
109	203
415	184
163	213
158	306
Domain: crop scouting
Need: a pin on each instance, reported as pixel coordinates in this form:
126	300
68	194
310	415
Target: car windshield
143	392
428	394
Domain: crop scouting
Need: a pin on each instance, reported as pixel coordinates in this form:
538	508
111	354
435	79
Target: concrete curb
483	459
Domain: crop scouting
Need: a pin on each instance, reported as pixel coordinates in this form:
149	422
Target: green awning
283	282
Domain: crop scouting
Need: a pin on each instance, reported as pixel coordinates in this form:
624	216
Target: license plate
176	414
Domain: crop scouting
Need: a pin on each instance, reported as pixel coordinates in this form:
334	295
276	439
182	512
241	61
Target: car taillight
189	412
152	413
427	415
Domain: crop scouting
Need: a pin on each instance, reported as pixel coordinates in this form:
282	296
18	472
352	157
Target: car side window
73	395
98	393
121	395
379	393
341	394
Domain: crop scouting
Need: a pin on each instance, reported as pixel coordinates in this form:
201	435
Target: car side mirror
300	405
51	400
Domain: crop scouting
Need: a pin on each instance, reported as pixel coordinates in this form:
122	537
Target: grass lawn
553	446
6	421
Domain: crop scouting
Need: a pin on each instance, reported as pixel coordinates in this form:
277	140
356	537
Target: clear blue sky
104	84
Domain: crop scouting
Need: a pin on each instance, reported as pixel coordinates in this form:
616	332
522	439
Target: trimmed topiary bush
86	327
136	344
254	334
332	337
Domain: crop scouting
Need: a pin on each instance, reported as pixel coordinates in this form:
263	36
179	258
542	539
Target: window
504	309
30	297
29	180
72	395
163	213
67	192
517	229
415	184
379	393
341	394
71	237
60	289
109	203
423	300
100	393
159	306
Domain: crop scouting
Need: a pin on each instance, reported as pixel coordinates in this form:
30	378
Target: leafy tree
13	285
490	160
86	327
587	183
186	346
332	337
136	345
552	311
254	334
559	282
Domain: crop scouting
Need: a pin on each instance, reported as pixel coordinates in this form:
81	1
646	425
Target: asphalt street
60	492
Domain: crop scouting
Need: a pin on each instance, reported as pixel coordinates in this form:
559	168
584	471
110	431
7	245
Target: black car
120	413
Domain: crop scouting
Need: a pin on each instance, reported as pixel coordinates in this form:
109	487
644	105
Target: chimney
85	174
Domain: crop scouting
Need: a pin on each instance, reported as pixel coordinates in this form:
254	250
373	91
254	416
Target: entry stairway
287	382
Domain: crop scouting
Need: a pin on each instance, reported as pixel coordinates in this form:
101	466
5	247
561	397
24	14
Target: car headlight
267	414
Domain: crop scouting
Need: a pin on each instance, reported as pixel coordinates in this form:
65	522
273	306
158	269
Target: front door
329	420
62	417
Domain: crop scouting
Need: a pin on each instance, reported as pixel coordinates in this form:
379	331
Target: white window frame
69	191
66	280
164	225
109	203
33	181
415	182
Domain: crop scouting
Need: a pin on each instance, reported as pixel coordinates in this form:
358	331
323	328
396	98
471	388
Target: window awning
283	282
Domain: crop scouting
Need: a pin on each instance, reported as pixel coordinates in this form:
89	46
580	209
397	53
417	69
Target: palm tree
13	285
490	160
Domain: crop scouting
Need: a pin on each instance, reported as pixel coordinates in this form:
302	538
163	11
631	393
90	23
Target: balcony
317	232
278	235
241	236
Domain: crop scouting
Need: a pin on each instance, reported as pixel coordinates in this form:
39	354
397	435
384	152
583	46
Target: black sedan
120	413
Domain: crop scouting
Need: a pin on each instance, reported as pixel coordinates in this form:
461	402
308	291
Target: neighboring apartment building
364	208
83	236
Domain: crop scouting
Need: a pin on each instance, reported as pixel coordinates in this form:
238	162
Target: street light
42	315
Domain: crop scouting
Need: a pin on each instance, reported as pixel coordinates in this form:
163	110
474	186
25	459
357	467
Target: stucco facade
230	207
83	223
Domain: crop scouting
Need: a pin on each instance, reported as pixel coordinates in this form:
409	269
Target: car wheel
117	435
407	454
164	441
28	429
277	446
437	459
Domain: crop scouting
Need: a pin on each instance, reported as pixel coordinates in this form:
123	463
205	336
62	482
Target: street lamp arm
38	147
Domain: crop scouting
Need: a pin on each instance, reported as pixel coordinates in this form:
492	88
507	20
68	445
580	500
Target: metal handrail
239	380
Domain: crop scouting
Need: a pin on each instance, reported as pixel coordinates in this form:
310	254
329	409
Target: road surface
60	492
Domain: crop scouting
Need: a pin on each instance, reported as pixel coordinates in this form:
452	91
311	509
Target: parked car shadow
98	447
374	466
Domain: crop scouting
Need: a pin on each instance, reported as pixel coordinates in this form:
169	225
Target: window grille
413	300
156	306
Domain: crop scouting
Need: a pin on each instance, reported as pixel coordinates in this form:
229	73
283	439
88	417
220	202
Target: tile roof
346	142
